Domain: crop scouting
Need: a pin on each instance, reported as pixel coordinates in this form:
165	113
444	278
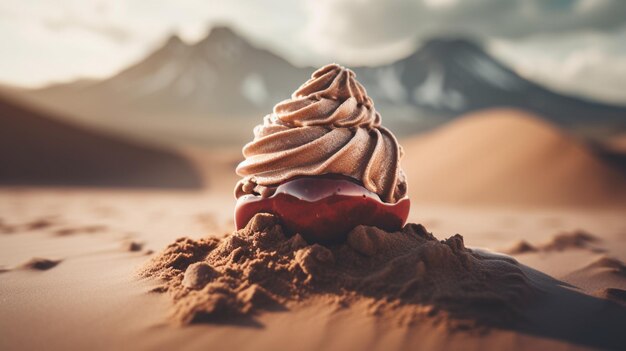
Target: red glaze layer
324	209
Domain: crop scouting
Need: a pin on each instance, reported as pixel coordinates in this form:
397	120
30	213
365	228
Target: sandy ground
94	299
69	262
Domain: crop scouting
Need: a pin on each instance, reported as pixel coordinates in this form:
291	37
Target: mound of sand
406	275
508	156
597	275
38	150
560	242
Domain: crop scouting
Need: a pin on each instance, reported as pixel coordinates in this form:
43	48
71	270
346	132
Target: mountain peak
450	45
221	34
174	38
223	43
173	43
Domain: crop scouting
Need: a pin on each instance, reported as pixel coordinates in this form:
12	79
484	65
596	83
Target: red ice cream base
324	209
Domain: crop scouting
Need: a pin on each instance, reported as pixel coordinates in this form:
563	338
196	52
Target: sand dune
560	242
506	156
597	275
36	149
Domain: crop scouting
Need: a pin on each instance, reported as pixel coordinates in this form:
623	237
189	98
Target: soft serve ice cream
328	129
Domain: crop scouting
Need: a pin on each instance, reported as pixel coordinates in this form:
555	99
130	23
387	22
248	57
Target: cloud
569	44
113	32
576	46
342	27
587	63
45	41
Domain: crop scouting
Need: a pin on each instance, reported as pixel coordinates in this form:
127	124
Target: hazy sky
574	45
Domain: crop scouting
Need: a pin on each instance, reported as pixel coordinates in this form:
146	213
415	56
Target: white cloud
44	41
440	3
350	25
541	39
33	53
590	64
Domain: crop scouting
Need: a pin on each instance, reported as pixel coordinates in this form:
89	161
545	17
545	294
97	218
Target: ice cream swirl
329	126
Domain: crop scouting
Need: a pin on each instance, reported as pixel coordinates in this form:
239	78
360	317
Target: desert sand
73	260
509	156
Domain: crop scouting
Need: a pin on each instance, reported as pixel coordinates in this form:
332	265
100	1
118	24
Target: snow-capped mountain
224	77
455	76
221	74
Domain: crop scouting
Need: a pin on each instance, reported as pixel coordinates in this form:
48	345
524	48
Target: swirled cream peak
329	126
332	97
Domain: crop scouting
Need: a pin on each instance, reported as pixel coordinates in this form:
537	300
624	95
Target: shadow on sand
562	312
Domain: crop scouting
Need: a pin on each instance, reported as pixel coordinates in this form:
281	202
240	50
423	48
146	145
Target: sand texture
508	157
408	275
99	301
124	268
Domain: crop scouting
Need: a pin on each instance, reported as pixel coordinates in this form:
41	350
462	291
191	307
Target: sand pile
605	277
575	240
407	275
507	156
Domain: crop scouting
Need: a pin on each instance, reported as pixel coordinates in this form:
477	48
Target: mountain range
215	90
